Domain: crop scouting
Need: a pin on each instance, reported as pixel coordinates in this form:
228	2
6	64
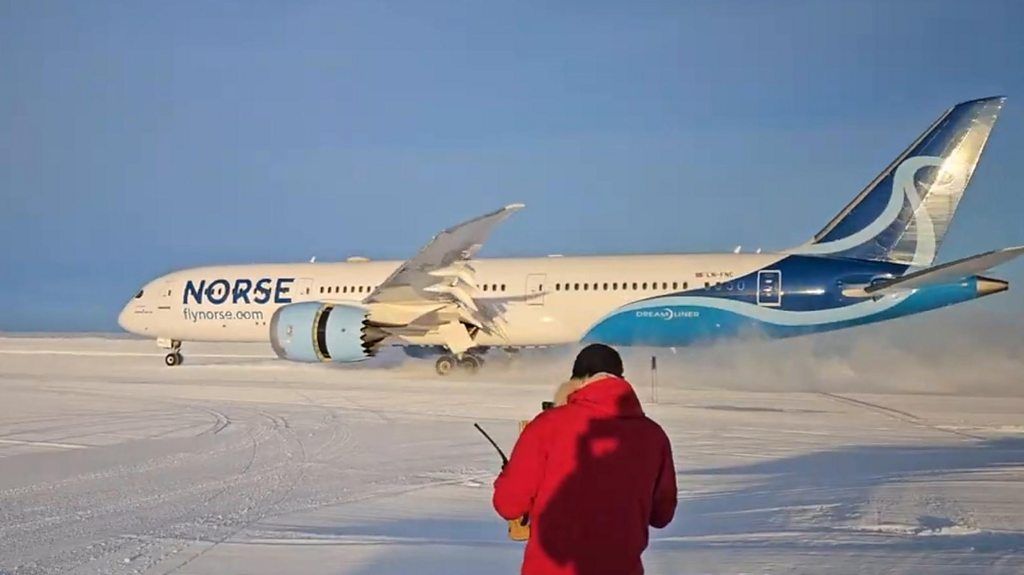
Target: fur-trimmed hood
602	392
566	389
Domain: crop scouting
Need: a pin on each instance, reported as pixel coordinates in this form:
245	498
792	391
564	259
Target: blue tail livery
870	263
903	214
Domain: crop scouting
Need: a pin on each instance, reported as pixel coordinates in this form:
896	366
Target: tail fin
903	214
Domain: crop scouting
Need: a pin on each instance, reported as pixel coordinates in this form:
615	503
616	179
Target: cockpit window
138	295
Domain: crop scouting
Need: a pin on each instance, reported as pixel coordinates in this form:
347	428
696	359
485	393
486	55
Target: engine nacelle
313	332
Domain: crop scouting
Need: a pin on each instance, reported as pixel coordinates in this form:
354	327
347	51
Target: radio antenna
504	460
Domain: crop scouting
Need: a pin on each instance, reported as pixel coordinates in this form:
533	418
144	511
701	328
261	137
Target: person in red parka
592	474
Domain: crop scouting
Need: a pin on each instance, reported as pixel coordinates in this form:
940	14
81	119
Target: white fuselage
571	293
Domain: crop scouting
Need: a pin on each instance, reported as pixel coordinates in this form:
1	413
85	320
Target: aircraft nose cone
989	286
126	319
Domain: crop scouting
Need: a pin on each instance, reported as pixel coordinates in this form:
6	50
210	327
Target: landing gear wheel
172	359
470	364
445	364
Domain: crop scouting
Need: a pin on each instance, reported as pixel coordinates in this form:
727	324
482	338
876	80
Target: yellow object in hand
519	529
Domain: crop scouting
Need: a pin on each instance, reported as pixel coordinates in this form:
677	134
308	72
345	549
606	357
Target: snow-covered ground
239	463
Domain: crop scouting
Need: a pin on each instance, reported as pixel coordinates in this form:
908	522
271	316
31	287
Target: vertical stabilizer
903	214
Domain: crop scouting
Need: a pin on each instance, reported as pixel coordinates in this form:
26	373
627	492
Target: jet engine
313	332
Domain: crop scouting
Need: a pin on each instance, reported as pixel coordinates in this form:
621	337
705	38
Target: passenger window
502	287
557	286
634	285
585	286
645	285
675	285
605	288
485	287
615	285
686	285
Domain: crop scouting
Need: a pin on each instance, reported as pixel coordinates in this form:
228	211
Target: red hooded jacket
592	475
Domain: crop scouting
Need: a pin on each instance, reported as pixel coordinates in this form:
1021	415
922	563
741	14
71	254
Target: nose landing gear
174	357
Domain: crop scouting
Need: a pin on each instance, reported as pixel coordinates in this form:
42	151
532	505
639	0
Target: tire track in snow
896	414
137	550
284	428
104	518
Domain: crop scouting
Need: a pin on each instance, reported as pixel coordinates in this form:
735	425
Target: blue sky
137	137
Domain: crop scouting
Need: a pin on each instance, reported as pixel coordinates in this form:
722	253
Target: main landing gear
468	363
174	357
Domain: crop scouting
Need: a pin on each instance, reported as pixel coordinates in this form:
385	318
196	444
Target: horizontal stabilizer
946	273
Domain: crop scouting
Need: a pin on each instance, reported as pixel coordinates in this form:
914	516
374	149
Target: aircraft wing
435	291
947	272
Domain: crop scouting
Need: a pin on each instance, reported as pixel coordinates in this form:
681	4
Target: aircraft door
769	288
535	286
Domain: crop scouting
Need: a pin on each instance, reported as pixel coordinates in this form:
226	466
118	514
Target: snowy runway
236	463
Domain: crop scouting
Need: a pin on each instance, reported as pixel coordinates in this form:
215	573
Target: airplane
872	262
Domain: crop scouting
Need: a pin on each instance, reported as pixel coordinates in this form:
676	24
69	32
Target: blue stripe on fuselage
809	282
812	302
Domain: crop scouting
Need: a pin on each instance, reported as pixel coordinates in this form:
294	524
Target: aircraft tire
172	359
446	364
470	363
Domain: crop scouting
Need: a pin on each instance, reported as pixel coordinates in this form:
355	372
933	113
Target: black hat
596	358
